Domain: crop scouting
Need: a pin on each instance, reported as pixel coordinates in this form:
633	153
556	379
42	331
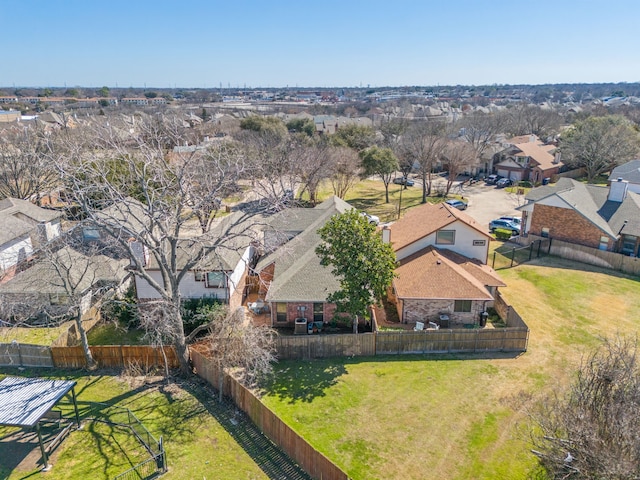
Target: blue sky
200	43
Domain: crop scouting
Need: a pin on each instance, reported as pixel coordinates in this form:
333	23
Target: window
90	233
462	306
445	237
281	312
604	243
318	312
629	244
199	276
215	280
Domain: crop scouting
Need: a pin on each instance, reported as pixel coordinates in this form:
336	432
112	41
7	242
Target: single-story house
291	279
606	218
68	278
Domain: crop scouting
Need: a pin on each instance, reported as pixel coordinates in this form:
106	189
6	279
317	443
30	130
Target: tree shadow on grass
269	457
302	381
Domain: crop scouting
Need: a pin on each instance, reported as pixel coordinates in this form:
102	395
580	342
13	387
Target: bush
525	184
195	312
502	234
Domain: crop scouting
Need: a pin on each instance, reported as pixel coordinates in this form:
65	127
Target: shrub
525	184
502	234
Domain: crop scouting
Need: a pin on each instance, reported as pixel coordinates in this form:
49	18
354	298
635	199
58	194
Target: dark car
504	182
404	181
504	225
459	204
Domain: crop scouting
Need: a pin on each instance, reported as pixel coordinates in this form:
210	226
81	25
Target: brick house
527	158
291	279
442	269
606	218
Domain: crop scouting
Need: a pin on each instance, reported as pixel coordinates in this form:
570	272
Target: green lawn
197	444
369	196
113	334
457	417
33	336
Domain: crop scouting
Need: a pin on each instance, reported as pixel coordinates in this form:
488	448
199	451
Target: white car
516	220
371	218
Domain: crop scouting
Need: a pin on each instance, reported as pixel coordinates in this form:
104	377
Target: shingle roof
629	171
440	274
426	219
13	226
84	271
298	275
591	201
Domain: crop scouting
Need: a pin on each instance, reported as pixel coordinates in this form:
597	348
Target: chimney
532	139
618	190
556	157
140	253
386	234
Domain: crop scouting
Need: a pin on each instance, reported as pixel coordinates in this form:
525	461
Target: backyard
203	439
457	417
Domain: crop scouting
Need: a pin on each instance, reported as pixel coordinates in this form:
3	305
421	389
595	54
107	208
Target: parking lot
486	202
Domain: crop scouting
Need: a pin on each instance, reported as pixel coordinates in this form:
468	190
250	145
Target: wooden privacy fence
25	355
115	356
322	346
510	339
312	461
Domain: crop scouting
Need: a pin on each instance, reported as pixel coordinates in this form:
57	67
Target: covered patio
27	403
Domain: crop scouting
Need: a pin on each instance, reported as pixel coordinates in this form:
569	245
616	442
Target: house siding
17	250
465	236
567	225
293	312
189	288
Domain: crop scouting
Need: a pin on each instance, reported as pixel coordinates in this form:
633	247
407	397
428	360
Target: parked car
492	179
504	225
459	204
504	182
516	220
404	181
371	218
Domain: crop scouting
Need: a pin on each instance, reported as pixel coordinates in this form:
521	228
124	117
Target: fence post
549	249
530	251
20	356
513	255
493	264
539	245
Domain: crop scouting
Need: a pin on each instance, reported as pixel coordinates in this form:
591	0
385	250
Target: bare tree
592	430
151	227
598	144
313	167
345	170
64	281
26	166
525	119
457	156
479	130
423	145
234	342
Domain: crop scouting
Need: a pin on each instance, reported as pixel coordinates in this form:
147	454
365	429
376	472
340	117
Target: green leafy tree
599	144
382	162
304	125
359	257
270	125
104	92
151	94
357	137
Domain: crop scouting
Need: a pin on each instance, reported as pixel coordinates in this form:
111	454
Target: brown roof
442	274
425	219
539	153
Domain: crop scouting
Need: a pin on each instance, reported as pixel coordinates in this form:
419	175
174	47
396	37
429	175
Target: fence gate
507	256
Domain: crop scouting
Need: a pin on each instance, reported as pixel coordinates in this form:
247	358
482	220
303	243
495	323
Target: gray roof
23	401
298	275
83	272
19	218
591	201
629	171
